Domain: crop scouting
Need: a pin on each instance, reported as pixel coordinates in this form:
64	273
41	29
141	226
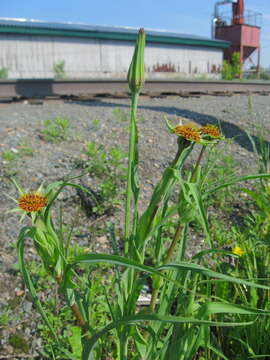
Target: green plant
258	73
59	70
250	241
236	65
3	73
108	168
119	114
56	129
10	159
25	149
191	299
8	156
5	317
233	69
226	71
219	167
96	124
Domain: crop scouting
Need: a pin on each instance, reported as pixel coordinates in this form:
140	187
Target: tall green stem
123	346
131	158
195	171
167	259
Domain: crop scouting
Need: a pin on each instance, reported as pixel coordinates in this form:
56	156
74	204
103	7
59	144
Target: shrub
59	70
233	69
3	73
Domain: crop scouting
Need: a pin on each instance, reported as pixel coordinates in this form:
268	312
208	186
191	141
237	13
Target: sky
190	16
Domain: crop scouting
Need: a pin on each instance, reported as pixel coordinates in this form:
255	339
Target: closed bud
136	69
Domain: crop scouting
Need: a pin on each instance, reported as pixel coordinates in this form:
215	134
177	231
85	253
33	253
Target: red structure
241	28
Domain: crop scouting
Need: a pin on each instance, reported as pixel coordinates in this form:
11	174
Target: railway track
48	88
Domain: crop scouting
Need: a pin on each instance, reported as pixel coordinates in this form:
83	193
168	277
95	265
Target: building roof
69	29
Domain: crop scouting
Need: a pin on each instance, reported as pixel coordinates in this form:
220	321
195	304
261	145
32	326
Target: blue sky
190	16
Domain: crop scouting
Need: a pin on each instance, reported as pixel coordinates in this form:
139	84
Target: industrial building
37	49
242	28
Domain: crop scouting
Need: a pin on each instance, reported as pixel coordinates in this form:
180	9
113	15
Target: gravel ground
97	121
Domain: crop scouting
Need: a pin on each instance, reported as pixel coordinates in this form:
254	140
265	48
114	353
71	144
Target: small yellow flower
29	202
32	202
211	130
238	251
188	131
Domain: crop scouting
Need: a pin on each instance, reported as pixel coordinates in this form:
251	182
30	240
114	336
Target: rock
27	306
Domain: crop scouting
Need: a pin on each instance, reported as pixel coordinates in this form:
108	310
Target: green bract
136	69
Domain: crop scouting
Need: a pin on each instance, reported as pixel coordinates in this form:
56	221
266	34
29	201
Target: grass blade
210	273
116	260
135	319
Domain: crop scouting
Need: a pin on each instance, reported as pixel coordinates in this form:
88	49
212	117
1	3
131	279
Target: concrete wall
35	57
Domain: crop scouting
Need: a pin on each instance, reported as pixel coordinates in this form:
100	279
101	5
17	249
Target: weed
5	317
19	343
232	70
3	73
59	70
107	167
220	166
9	156
141	119
56	129
96	124
120	115
25	149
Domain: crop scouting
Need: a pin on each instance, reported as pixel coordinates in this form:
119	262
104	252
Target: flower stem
194	173
167	259
173	244
77	313
123	345
131	157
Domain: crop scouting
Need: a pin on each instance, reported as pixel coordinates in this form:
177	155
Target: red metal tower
241	28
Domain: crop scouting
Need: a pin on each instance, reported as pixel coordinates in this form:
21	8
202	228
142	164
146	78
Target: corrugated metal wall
35	57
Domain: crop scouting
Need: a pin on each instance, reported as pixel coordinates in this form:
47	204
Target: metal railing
250	17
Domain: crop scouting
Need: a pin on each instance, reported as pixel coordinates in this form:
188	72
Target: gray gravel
20	123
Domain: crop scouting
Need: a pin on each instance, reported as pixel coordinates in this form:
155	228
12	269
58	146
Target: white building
37	49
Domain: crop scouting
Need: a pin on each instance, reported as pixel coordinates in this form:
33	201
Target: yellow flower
188	131
211	130
29	202
238	251
32	202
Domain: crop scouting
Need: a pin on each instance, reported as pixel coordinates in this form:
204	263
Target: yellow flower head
238	251
211	130
32	202
188	131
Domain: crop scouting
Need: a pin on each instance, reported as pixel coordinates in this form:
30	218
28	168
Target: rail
41	88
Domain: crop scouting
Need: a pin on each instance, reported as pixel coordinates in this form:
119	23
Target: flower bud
136	69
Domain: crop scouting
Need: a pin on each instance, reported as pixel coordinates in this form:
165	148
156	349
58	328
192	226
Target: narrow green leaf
201	213
208	272
217	351
75	341
259	356
224	308
213	251
116	260
234	181
131	320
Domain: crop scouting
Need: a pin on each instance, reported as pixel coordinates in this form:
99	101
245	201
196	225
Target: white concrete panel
35	57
